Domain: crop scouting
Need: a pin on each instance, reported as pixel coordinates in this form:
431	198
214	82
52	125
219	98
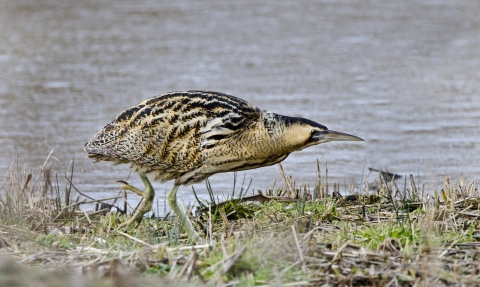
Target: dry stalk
231	260
134	238
297	243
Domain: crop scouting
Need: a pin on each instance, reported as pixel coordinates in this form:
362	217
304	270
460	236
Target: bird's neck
284	133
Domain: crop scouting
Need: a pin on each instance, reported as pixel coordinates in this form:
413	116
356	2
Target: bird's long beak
329	136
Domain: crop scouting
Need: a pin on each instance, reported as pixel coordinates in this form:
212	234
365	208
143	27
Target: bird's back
169	134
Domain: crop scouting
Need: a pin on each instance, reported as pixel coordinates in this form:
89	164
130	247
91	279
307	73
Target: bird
188	136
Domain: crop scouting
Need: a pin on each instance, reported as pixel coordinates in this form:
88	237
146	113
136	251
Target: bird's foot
127	186
182	215
144	206
188	226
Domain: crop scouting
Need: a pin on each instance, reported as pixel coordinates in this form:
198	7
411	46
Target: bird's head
300	133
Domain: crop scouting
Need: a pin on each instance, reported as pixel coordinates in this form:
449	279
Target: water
402	75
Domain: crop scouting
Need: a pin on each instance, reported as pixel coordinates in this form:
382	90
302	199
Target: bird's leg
187	225
146	203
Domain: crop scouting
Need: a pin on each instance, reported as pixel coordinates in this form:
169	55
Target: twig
188	267
88	218
229	262
337	254
446	250
98	211
313	230
298	245
193	247
290	267
472	244
468	214
134	238
100	200
76	189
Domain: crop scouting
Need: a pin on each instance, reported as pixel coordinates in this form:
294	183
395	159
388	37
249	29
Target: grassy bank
290	236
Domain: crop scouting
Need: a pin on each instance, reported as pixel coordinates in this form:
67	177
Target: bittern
191	135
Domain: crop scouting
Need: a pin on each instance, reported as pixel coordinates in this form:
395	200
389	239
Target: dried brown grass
377	237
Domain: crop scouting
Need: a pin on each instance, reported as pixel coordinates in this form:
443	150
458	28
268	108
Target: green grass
381	237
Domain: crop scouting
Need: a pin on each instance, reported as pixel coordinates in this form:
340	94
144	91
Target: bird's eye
312	132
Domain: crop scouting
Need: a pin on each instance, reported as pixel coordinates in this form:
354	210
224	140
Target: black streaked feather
191	135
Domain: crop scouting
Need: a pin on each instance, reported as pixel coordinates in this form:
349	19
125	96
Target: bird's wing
167	131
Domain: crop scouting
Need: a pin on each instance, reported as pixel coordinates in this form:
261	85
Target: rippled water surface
403	75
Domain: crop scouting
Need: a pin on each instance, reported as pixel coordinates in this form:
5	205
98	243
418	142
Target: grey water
403	75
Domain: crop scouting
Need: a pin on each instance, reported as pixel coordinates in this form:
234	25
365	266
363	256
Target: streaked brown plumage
189	136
